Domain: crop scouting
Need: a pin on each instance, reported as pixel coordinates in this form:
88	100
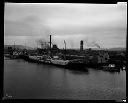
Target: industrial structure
81	45
49	53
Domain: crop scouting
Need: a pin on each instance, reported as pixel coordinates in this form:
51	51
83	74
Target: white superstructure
59	62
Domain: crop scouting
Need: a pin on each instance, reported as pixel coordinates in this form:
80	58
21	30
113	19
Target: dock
71	59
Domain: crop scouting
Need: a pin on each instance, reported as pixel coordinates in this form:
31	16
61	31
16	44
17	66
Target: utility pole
65	49
50	42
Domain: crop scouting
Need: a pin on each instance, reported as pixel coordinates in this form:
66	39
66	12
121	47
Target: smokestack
81	45
50	42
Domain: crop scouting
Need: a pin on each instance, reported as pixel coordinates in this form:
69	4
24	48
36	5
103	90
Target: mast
65	49
37	45
50	45
25	45
14	45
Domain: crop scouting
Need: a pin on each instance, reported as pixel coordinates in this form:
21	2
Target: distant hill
117	49
30	48
110	49
18	46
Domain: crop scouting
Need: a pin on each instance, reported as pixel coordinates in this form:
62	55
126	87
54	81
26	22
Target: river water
24	80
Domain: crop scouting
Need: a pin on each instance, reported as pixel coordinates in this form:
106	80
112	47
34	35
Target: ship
70	64
87	58
51	59
57	61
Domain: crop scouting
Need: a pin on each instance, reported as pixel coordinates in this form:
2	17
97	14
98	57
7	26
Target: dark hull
77	66
38	61
25	57
95	65
73	66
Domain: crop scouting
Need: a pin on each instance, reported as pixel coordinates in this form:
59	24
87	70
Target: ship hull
75	66
69	65
95	65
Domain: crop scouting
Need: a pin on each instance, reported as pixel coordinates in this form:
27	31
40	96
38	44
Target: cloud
28	26
70	22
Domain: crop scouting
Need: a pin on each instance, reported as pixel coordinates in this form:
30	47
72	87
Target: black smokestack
50	42
81	45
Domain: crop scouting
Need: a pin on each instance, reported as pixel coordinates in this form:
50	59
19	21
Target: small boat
110	67
124	68
14	55
7	55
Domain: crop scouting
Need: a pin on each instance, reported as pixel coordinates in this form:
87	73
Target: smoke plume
43	43
91	44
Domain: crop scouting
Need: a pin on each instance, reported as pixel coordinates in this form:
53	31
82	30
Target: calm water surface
23	80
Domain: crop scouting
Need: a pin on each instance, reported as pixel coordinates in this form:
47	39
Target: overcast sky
104	24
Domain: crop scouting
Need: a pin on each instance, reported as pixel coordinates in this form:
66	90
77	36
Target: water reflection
38	81
20	60
113	72
79	72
